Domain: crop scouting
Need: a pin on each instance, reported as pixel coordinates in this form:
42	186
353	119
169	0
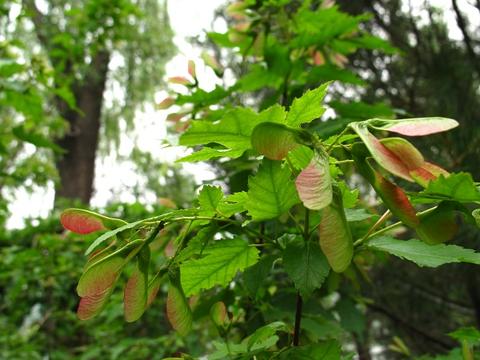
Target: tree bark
466	37
76	167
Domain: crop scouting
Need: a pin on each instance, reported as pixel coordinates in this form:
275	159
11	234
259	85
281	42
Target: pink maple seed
80	223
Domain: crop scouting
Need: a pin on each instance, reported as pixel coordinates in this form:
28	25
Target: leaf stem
388	228
298	319
343	162
337	138
306	225
297	224
379	222
155	232
299	305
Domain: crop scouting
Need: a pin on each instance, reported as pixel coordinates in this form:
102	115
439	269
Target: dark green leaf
306	265
423	254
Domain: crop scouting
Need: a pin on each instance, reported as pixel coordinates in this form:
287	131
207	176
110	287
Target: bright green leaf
300	157
208	153
221	261
459	187
233	204
233	131
274	141
308	107
209	198
271	191
265	332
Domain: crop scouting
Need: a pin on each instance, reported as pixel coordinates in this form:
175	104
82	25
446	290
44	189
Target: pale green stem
388	228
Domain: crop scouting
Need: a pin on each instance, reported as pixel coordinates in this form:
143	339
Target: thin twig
379	222
298	319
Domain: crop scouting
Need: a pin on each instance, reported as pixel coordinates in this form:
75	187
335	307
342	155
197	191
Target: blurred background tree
100	62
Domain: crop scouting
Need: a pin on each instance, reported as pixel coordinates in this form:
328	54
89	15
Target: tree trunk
76	167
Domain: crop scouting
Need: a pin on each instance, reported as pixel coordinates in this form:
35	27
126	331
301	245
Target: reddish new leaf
398	156
334	233
314	183
135	296
405	152
218	313
273	140
393	196
179	80
382	155
179	313
415	126
92	305
396	200
82	221
420	170
100	276
153	288
427	172
191	69
166	103
136	289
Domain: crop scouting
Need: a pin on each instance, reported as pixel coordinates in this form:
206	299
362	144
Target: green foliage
220	263
423	254
306	265
334	234
271	191
308	107
296	216
458	187
245	271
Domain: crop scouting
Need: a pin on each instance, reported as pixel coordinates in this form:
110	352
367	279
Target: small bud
175	117
213	63
179	80
191	69
165	103
218	313
318	58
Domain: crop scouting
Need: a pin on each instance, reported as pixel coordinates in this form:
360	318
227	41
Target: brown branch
40	21
298	319
466	37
